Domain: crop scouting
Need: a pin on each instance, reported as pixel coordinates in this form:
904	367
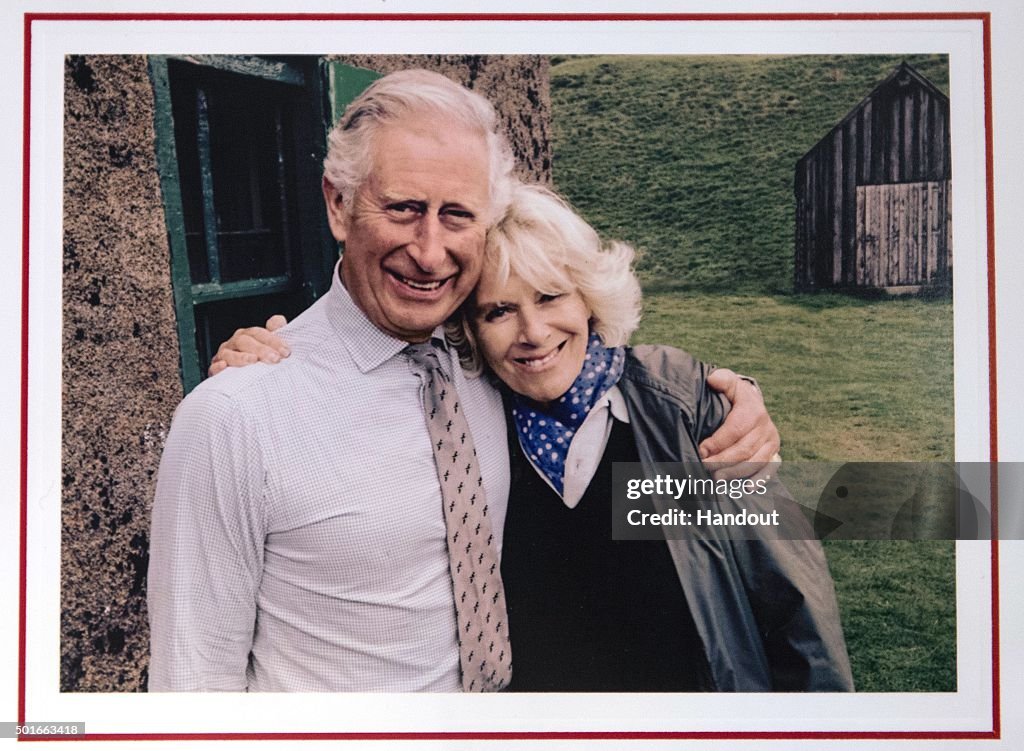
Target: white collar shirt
588	446
298	539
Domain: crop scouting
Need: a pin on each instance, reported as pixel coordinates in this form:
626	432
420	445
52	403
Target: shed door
903	234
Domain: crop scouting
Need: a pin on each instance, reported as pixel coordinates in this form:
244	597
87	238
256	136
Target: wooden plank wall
903	234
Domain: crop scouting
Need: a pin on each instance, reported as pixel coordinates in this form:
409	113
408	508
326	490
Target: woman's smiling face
534	342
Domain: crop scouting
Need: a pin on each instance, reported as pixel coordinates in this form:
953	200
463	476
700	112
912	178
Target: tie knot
423	356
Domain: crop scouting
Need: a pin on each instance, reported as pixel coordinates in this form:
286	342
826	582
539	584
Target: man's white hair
414	92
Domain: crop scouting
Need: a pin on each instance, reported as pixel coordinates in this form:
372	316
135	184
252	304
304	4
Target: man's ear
337	216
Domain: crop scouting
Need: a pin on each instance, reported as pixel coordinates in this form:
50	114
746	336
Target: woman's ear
337	213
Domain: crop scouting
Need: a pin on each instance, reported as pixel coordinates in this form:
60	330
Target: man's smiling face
414	236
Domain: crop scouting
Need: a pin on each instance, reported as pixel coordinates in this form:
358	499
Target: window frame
316	253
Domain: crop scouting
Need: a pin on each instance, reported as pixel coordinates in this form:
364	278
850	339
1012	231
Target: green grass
844	379
897	601
691	159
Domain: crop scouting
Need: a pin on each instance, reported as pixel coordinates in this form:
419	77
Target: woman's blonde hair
544	242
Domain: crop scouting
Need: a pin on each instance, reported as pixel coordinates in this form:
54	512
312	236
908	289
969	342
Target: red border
990	217
955	16
23	480
984	17
535	736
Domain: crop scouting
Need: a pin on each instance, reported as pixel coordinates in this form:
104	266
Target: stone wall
121	379
121	372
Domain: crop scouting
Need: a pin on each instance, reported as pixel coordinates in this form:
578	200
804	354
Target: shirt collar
616	404
368	346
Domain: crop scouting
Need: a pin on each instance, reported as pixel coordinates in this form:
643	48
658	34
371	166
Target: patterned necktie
484	650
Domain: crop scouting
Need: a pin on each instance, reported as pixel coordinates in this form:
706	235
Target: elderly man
306	532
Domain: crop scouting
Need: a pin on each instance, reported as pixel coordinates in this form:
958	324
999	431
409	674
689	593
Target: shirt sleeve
206	548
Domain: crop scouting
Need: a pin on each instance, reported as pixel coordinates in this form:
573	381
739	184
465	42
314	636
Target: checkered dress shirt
298	540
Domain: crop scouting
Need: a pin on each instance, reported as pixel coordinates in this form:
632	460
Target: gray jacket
765	610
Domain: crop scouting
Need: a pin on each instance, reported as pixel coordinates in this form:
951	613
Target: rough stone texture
121	376
517	85
121	370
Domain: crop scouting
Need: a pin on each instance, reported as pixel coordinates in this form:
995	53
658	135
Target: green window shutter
247	232
170	184
345	83
240	144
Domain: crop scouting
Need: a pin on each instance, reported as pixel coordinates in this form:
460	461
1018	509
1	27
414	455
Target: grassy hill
691	158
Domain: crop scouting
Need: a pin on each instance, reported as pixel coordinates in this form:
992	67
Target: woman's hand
748	440
253	344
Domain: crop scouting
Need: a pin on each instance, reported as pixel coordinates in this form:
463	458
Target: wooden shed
873	196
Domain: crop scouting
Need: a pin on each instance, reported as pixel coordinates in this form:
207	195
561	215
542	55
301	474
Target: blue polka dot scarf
546	432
